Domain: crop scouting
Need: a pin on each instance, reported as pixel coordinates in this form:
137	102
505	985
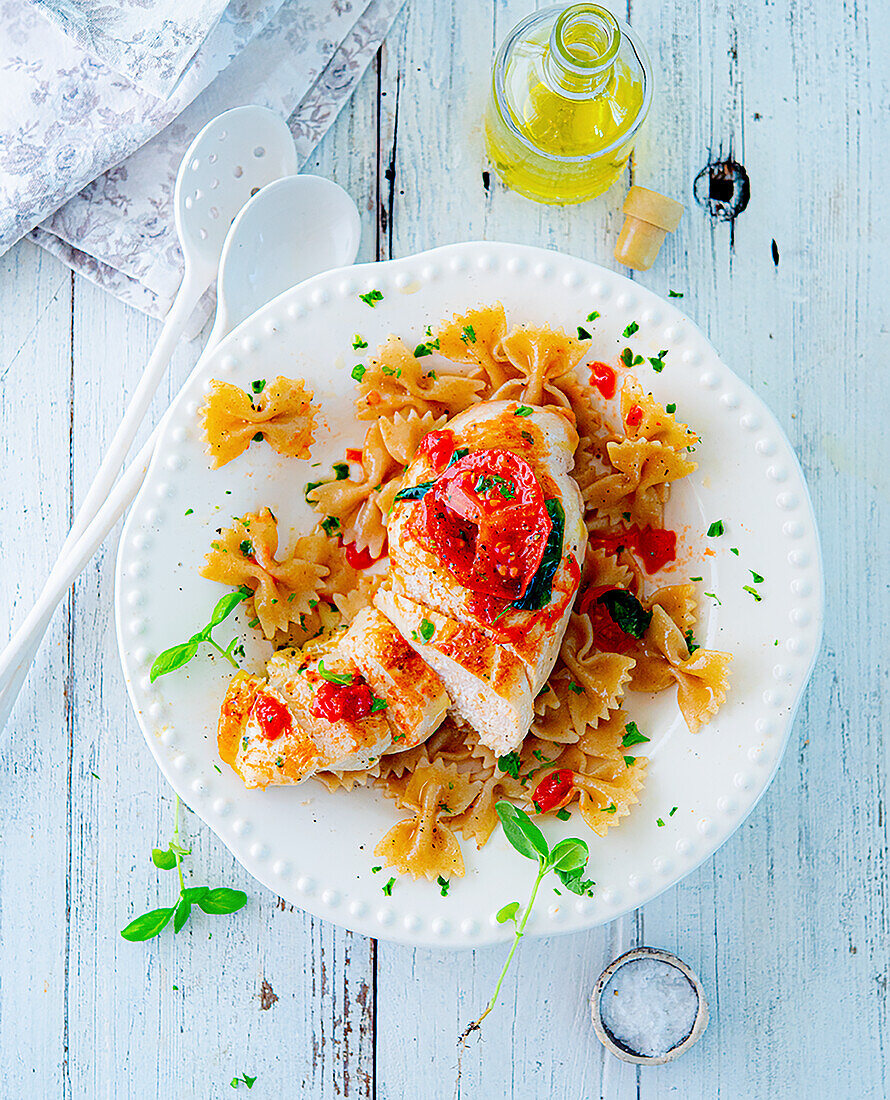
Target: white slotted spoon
292	229
233	157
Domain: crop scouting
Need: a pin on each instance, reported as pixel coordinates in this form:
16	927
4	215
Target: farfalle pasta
622	632
282	414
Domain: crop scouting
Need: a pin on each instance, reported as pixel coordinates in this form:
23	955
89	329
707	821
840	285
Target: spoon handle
16	658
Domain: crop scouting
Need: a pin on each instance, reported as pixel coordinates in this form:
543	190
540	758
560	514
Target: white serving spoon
292	229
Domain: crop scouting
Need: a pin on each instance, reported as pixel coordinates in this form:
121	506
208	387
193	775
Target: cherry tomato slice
487	522
342	702
554	790
634	416
272	716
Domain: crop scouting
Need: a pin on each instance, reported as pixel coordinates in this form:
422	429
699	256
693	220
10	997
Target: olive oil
571	87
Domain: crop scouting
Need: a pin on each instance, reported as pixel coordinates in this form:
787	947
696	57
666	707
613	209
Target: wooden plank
35	886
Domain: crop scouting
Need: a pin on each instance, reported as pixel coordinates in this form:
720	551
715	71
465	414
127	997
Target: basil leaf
627	612
163	858
414	492
538	593
223	900
147	926
569	855
181	914
507	912
173	658
227	605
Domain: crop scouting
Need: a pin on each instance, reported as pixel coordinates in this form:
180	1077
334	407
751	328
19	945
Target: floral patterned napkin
88	160
151	42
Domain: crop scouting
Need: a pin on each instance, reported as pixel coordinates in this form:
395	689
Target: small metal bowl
608	1040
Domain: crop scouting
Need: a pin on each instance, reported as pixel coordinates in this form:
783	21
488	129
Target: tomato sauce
605	378
353	454
361	559
342	702
634	416
272	716
653	545
439	447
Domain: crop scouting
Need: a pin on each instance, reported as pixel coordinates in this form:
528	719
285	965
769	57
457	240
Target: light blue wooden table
787	925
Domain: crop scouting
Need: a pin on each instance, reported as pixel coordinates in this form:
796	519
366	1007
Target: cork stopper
648	217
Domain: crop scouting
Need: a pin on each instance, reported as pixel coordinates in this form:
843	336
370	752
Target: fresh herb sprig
178	655
218	900
567	859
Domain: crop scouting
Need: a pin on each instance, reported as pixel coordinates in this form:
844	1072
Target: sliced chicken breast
488	685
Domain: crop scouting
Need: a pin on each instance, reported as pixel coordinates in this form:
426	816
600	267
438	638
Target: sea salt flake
648	1007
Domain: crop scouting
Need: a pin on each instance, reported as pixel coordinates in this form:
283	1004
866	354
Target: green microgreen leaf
173	658
575	881
507	912
178	655
371	298
521	831
163	858
569	855
147	926
222	900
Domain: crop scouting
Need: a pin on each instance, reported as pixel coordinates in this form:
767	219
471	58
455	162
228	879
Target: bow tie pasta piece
643	470
473	338
655	422
282	414
282	589
540	356
396	381
423	845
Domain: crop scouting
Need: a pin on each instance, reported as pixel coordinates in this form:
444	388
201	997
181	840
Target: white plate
316	849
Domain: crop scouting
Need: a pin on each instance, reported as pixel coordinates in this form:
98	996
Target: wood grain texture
787	925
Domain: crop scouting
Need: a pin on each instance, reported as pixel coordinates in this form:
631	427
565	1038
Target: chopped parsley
378	704
371	298
628	760
673	811
628	358
576	688
610	809
253	623
674	294
690	642
468	334
444	884
657	361
379	867
633	736
258	438
757	577
753	592
246	548
341	471
189	511
509	764
258	385
524	410
387	887
734	550
659	822
672	408
716	529
358	372
696	578
592	316
714	596
427	630
583	334
358	342
426	348
631	329
563	814
329	525
527	436
344	678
